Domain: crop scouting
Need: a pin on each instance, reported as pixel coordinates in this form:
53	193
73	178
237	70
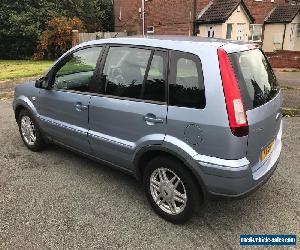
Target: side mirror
42	83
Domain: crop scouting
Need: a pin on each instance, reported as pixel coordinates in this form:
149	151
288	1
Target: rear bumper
235	178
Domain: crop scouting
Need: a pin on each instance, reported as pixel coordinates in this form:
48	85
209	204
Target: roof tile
283	14
220	10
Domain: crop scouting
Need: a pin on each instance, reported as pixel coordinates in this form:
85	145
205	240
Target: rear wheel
171	189
29	131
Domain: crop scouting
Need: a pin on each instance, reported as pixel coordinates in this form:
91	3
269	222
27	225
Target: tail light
235	109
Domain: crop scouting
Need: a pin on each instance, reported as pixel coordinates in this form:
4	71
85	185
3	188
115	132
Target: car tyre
171	189
30	132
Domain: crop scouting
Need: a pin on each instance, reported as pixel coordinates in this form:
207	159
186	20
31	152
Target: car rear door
64	108
129	111
262	101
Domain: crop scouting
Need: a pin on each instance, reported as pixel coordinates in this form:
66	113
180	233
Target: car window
156	78
124	71
256	79
76	73
186	88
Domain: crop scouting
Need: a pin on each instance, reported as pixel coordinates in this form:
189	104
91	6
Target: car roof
182	43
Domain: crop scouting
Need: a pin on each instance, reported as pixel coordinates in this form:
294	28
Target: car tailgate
264	124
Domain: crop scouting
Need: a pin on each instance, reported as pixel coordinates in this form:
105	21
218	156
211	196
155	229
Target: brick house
178	16
161	17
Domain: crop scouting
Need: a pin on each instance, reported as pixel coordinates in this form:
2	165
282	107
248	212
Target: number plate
266	151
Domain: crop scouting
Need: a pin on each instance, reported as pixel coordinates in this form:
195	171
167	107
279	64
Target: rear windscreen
255	76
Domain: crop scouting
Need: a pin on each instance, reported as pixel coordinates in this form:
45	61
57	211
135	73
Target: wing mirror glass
42	83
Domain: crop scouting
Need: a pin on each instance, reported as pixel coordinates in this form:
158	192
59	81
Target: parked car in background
189	117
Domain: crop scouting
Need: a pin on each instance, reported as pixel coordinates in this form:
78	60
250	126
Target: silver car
189	117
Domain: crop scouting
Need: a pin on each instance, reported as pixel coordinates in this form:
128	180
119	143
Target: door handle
80	107
151	119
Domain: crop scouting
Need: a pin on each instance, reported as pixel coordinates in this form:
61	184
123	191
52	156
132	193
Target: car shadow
88	165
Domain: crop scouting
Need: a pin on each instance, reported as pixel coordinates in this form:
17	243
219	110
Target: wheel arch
24	103
150	152
18	110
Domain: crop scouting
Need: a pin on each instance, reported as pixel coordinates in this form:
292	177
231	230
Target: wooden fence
78	38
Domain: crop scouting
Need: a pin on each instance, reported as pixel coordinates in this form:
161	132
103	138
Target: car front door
64	107
130	109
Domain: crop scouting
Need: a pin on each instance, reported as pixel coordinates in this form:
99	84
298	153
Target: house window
150	29
210	31
298	30
229	31
255	32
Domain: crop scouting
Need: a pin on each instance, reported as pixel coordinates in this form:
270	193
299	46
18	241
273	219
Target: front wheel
30	132
171	189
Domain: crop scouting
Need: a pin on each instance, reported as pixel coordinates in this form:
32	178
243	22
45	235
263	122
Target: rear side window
186	88
255	76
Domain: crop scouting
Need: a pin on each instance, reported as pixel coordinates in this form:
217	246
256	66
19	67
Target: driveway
58	200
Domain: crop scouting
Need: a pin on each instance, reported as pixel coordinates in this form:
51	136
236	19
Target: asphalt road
58	200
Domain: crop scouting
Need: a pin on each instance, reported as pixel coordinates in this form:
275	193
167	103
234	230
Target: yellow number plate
266	151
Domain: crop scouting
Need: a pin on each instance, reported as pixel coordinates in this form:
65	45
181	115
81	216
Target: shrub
56	39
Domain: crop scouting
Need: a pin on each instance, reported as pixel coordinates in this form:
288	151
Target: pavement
290	87
56	199
289	79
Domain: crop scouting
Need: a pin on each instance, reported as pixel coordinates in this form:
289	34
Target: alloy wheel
168	191
28	130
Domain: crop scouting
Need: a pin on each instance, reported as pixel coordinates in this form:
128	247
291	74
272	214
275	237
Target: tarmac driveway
58	200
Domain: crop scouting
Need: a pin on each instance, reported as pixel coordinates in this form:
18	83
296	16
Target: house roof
219	11
283	14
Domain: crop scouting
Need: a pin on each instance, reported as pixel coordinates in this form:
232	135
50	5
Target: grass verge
290	112
12	69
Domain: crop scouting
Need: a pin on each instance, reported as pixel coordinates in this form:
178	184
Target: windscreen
256	79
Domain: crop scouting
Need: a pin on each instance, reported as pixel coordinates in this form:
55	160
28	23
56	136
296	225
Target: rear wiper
274	90
260	98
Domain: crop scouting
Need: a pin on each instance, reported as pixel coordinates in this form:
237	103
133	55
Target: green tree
19	27
96	14
23	21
